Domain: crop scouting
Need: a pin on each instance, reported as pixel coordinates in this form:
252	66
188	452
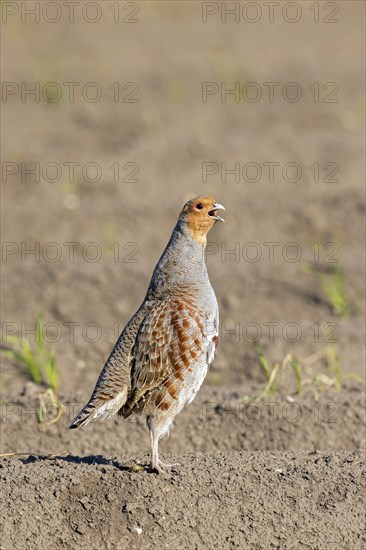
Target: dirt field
116	161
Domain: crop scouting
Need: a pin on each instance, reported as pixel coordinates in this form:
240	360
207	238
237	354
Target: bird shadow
90	460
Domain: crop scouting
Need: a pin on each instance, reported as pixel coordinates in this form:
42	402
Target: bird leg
157	429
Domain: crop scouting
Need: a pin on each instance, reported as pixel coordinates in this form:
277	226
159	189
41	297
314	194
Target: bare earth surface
218	500
286	473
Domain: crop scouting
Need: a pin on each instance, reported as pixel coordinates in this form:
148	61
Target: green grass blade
263	362
51	373
296	367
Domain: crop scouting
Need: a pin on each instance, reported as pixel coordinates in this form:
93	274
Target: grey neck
182	263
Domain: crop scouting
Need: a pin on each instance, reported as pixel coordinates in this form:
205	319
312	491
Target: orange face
201	214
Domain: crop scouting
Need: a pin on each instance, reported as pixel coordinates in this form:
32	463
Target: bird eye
199	206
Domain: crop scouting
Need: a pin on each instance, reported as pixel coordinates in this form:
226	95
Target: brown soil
288	473
217	500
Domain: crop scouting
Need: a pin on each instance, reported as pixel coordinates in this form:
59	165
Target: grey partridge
162	356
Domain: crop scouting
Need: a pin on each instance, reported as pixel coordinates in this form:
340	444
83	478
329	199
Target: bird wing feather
171	340
113	385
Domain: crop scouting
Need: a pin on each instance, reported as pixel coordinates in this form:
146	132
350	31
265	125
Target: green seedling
37	362
271	374
334	287
297	369
307	375
333	377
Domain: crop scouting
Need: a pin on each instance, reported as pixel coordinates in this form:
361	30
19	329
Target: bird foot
160	467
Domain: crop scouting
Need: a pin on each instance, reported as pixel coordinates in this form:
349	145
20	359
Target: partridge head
200	215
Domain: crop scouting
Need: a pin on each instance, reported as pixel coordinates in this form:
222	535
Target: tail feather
99	410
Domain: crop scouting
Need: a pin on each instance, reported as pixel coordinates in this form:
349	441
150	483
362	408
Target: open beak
213	212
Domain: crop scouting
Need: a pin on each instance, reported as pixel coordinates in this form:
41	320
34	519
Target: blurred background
117	113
